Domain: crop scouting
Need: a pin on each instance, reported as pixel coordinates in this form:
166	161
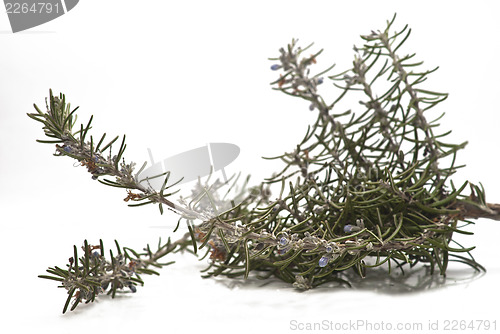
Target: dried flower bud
350	228
283	241
323	261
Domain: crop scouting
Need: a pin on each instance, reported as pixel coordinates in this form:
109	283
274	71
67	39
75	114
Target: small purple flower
67	148
132	288
275	67
323	261
320	81
283	241
348	228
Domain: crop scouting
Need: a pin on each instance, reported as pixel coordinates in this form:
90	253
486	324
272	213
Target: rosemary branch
360	190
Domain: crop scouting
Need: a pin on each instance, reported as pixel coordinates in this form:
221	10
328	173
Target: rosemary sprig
361	190
94	273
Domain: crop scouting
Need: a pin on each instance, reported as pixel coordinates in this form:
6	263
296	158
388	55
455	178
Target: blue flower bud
283	241
348	228
320	81
323	261
275	67
132	288
329	248
67	148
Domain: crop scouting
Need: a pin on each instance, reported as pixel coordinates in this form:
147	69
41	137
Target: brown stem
475	211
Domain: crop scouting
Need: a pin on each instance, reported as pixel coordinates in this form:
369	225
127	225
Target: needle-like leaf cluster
364	188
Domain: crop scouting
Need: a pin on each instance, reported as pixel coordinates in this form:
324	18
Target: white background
176	76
